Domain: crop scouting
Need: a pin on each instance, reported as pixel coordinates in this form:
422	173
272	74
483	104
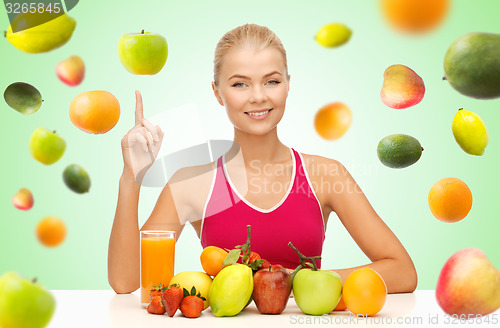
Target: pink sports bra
297	218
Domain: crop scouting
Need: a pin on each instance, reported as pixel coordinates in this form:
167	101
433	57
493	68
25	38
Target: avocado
399	150
472	65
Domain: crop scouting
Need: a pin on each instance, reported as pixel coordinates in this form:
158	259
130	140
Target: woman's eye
273	82
238	85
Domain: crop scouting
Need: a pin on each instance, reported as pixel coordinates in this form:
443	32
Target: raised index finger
138	107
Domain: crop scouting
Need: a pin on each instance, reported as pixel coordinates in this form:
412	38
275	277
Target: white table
104	308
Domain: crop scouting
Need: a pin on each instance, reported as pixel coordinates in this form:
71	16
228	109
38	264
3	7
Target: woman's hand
141	144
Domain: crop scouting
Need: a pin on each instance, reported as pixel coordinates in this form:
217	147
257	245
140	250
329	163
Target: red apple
272	288
71	71
23	199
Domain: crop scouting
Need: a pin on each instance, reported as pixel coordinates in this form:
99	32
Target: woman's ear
217	94
288	82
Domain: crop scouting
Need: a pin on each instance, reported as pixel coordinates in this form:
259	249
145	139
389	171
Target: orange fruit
333	120
340	305
211	259
51	231
364	292
94	112
415	16
450	200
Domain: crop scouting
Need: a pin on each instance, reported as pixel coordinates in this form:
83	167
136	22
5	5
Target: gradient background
351	74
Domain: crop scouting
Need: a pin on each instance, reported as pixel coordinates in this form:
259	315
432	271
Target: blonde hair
256	36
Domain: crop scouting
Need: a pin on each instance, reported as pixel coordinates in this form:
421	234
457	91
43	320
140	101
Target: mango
23	97
76	178
231	290
472	65
402	87
40	38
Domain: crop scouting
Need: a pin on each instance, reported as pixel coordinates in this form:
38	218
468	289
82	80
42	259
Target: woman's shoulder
320	166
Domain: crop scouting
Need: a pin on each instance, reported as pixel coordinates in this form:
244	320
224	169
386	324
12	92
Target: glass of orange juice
157	260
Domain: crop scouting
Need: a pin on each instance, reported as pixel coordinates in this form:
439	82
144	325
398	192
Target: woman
284	195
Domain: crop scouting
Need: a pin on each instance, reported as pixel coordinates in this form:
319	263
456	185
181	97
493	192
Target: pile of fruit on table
240	276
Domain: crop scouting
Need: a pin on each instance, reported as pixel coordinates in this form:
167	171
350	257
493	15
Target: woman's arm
389	257
123	253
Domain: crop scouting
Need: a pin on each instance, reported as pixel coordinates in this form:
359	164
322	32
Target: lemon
470	132
40	38
200	280
333	35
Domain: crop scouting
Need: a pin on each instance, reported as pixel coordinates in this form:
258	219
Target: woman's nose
258	95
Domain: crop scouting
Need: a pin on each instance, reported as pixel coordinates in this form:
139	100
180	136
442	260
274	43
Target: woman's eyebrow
239	76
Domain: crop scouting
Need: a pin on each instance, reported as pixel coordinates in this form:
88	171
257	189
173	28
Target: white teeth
259	114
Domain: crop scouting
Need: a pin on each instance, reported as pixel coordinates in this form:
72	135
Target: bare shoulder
323	167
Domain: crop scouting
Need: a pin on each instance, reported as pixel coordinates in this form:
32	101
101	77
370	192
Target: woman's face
253	86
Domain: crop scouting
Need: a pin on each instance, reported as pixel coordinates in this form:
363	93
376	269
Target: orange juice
157	260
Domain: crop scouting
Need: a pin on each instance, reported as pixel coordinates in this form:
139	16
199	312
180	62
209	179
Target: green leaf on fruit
256	264
232	257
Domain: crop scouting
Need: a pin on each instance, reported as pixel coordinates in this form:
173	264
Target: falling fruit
51	231
143	53
94	112
414	16
333	35
402	87
333	120
450	199
76	178
71	71
399	151
468	285
24	303
470	132
23	97
43	37
472	65
23	199
46	146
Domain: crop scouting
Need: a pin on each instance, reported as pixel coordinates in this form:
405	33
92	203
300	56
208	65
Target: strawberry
172	298
155	306
156	291
192	303
254	256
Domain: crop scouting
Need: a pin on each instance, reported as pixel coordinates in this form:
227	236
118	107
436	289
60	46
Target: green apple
46	146
143	53
24	303
317	292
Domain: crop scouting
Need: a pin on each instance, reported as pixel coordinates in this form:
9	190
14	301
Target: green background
351	74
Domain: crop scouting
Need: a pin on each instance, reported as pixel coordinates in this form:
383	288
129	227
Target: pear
469	284
402	87
470	132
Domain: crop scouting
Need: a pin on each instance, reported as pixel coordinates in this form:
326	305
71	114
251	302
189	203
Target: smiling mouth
259	113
